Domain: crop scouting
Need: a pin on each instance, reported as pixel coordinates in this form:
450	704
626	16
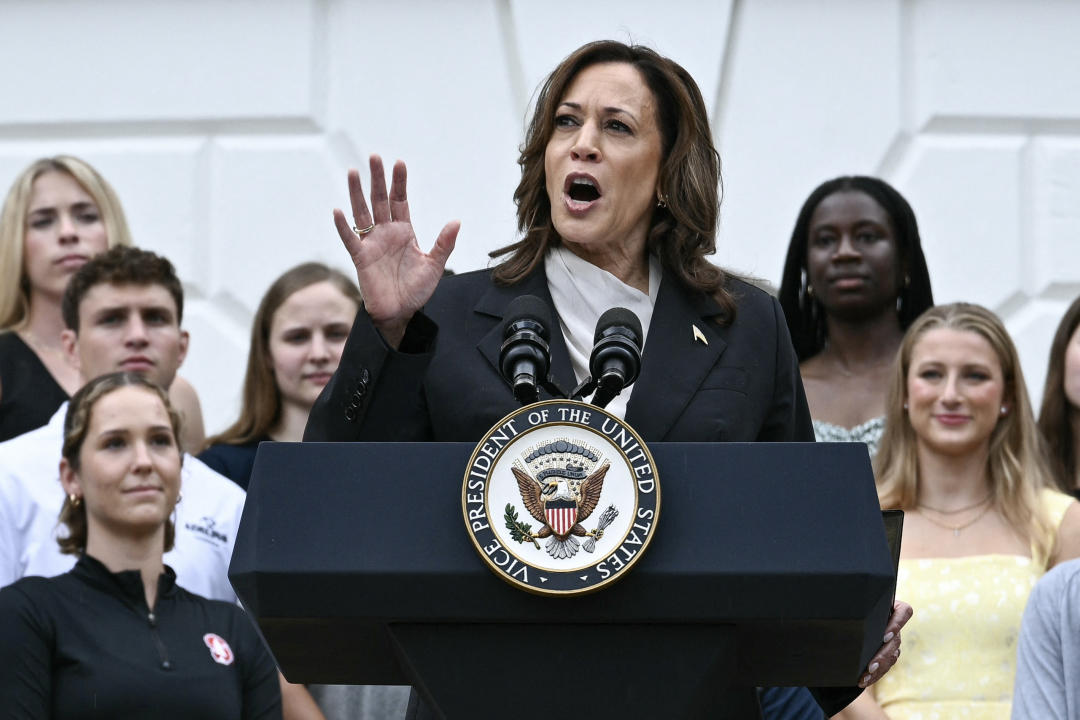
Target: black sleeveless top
29	395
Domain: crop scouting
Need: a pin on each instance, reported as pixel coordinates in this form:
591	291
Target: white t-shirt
31	497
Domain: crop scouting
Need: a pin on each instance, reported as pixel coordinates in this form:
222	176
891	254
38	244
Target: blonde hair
76	427
14	285
1016	465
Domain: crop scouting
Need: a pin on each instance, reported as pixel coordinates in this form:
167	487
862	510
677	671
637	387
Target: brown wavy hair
261	407
77	425
1057	416
1016	465
681	234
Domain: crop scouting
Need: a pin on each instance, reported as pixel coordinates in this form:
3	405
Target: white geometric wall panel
427	83
164	62
1055	214
696	33
227	128
995	59
966	195
812	93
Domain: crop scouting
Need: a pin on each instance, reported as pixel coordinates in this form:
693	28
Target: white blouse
582	292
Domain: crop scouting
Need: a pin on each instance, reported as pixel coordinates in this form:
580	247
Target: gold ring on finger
363	231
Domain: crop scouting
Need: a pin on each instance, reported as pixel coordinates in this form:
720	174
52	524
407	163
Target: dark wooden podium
769	567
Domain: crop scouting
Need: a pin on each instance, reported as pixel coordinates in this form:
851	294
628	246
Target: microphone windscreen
527	307
618	317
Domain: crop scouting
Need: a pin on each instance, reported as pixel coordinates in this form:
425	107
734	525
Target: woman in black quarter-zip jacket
116	637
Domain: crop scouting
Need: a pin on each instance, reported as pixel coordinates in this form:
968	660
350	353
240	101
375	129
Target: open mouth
583	190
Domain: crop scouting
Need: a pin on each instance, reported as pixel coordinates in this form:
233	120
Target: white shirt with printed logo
31	497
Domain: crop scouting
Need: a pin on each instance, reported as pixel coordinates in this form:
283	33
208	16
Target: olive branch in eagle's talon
519	531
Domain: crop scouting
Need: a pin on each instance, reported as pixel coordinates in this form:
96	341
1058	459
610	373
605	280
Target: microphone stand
553	388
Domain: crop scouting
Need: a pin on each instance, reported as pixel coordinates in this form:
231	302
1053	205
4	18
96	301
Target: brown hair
683	233
120	265
77	425
1016	467
261	408
14	285
1057	416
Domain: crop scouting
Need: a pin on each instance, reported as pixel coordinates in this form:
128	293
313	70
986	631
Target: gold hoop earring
75	500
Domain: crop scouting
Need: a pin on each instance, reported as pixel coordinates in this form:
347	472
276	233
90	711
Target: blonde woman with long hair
58	214
961	454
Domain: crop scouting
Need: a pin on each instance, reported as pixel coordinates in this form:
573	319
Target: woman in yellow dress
961	454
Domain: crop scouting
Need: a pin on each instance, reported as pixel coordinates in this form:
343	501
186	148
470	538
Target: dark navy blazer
741	384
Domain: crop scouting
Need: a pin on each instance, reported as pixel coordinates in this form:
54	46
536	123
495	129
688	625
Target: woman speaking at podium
617	206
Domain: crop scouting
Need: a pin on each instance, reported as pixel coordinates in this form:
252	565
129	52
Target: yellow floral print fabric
958	655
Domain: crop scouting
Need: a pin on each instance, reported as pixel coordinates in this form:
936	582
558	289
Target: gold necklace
957	510
956	529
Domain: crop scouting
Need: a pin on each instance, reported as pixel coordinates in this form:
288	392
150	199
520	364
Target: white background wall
227	128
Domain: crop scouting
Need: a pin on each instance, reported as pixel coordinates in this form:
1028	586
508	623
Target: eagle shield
562	494
561	514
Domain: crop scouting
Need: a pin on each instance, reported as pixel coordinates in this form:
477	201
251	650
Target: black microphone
524	357
616	355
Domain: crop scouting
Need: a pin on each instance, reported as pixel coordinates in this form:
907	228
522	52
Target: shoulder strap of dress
1053	505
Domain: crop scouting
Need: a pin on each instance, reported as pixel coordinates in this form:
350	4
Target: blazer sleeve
376	394
788	418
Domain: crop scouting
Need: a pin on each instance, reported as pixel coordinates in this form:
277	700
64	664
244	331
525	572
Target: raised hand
396	277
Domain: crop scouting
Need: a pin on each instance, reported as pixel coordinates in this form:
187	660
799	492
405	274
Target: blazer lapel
494	302
676	358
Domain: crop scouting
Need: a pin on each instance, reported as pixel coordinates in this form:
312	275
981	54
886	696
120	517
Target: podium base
593	671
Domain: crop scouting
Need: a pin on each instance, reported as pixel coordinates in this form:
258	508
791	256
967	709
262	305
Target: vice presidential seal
561	498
